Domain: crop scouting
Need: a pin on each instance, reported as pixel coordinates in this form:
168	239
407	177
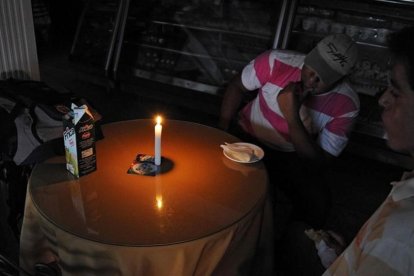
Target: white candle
158	130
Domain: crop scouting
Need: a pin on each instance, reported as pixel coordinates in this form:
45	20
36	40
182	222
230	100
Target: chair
9	268
51	269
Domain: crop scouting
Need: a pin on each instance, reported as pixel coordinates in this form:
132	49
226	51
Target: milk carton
79	140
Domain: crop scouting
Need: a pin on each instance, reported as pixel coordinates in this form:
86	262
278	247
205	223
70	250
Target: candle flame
160	204
158	119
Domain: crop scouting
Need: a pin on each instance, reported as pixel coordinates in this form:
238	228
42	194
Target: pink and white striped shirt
385	244
328	116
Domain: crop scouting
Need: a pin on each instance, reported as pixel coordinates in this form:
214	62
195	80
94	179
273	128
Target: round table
201	214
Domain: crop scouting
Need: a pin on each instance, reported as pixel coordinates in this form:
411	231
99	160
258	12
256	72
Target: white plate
257	151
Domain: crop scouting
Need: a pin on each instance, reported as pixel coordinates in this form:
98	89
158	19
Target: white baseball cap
333	57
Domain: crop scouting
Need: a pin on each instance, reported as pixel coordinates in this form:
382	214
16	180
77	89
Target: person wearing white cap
302	115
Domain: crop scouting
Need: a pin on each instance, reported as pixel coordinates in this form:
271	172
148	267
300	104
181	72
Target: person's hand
332	246
335	241
290	100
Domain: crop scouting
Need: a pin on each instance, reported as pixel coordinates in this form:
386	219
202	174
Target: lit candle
158	130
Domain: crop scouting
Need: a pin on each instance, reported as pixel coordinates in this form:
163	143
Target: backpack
31	120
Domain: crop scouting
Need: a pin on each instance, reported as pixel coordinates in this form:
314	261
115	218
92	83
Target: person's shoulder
345	88
292	58
343	92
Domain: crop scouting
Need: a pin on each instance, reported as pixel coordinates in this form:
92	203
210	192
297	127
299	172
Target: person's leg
275	163
292	181
297	254
309	192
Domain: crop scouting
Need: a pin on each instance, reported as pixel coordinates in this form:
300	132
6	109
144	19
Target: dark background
358	184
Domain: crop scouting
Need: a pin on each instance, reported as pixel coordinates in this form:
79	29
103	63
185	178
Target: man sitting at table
302	116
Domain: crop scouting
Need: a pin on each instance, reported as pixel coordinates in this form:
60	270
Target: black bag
31	120
31	131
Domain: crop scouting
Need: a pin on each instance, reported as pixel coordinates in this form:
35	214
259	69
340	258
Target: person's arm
232	99
306	147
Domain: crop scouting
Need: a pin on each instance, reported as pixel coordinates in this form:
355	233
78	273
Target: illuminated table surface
199	197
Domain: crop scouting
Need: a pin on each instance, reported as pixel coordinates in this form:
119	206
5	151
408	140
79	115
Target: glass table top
200	194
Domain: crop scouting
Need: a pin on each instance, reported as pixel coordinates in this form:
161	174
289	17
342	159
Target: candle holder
144	164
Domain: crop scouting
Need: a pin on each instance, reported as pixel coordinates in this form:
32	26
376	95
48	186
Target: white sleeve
249	78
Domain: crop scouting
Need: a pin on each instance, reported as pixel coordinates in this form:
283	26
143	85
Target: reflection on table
204	215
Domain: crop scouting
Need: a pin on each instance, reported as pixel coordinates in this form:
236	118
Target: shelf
322	35
167	79
211	29
398	2
371	44
241	62
369	87
392	9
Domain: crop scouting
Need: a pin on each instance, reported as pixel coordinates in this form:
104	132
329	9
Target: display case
199	45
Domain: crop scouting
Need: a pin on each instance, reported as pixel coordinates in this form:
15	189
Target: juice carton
79	140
